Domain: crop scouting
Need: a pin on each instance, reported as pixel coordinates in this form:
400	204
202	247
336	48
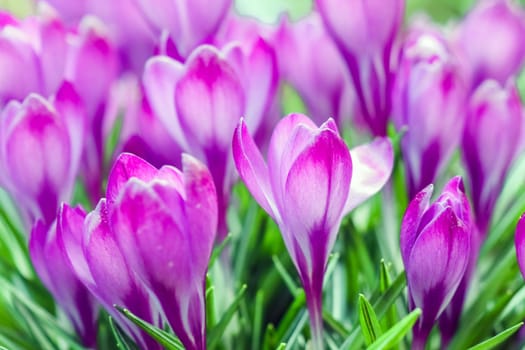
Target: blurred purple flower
490	39
429	99
315	68
201	102
366	33
306	188
40	149
56	273
490	144
520	244
435	247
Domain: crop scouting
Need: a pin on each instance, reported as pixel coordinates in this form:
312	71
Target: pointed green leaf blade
497	339
368	319
394	335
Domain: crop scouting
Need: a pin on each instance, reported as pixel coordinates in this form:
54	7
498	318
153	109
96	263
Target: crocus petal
437	262
252	169
520	244
372	166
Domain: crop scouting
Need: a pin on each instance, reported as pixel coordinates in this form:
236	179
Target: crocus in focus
57	274
429	101
40	150
201	102
306	188
490	144
366	33
490	39
435	247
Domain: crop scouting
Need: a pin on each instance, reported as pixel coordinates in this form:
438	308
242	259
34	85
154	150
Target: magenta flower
491	41
56	273
310	182
153	233
435	247
520	244
200	103
315	68
490	144
40	150
189	23
366	33
429	100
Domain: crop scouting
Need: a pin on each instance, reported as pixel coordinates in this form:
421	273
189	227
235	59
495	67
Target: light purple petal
372	166
252	169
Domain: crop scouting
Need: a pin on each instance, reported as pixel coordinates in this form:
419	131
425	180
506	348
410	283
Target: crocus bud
490	143
315	68
429	101
57	274
97	261
366	32
306	188
200	103
435	247
491	41
40	150
520	244
189	23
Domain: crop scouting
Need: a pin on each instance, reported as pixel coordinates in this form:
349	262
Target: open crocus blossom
435	247
154	232
200	103
366	33
307	186
429	100
40	150
490	143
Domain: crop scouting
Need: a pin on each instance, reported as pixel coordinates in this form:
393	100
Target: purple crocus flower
200	103
40	150
366	33
520	244
56	273
315	68
435	247
490	144
490	40
97	261
429	100
310	182
154	232
189	22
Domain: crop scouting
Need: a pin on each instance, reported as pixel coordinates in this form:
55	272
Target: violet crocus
311	180
519	241
366	33
40	151
153	232
429	101
490	144
201	102
315	68
435	247
189	23
490	40
56	273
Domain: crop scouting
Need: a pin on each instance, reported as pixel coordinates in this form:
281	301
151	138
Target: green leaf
112	140
167	340
281	346
368	319
219	249
215	334
257	319
287	278
394	335
497	339
119	339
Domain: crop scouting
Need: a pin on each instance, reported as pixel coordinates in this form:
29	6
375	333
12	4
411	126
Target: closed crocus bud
165	223
306	188
201	102
491	40
315	68
435	247
91	249
57	274
366	32
490	144
189	23
429	101
40	150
